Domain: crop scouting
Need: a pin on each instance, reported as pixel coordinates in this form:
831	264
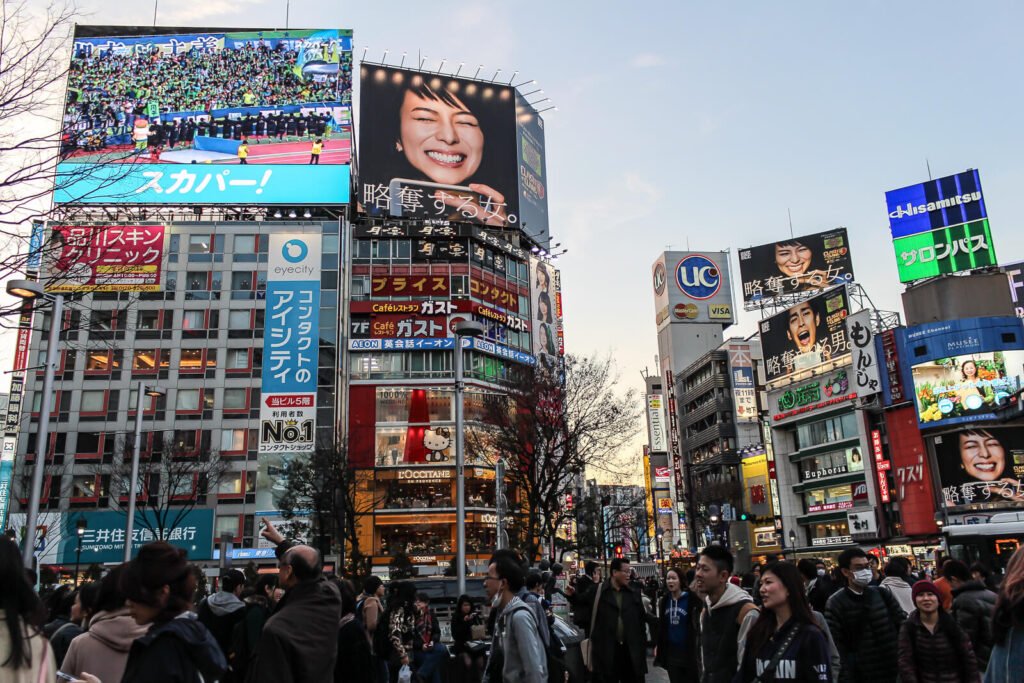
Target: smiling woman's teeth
446	158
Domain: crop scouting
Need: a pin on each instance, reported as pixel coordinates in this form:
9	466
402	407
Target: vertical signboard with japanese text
744	393
866	376
290	345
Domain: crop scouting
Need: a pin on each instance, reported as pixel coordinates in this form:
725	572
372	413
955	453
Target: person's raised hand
270	532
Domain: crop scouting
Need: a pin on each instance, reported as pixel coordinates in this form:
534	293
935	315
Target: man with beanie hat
220	612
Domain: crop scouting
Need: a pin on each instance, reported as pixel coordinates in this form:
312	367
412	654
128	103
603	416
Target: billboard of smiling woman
982	465
436	146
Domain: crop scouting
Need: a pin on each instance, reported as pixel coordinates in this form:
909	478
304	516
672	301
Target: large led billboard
940	227
1015	274
801	264
981	465
174	99
692	286
935	204
805	335
432	145
945	251
960	368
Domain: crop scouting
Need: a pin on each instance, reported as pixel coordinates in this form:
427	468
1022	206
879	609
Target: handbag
477	632
585	649
777	656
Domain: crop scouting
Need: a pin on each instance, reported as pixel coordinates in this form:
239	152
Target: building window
230	484
191	359
199	244
226	523
98	361
83	486
238	359
147	360
148	320
94	402
240	320
244	244
193	320
236	399
232	441
187	400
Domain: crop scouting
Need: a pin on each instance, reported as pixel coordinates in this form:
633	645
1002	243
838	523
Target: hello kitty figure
437	441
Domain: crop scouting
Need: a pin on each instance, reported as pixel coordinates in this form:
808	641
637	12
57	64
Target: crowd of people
199	80
793	622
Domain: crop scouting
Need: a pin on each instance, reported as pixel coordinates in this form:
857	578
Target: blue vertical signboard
290	344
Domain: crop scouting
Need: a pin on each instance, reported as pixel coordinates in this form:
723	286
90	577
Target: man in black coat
973	608
865	623
618	643
581	596
299	642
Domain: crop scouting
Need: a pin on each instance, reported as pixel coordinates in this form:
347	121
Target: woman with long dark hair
466	617
785	643
932	647
678	626
25	655
1006	663
159	585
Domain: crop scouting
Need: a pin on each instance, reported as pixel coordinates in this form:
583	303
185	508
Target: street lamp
792	542
463	329
30	289
81	525
133	484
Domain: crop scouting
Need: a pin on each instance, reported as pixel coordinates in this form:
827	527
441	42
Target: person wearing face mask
818	584
864	622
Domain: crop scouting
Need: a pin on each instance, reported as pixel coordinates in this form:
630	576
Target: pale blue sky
700	123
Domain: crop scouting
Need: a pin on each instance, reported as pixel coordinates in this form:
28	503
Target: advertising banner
10	445
756	498
398	326
662	474
692	287
291	344
114	258
947	250
164	183
912	476
533	178
806	335
935	204
867	379
544	315
264	98
103	540
744	393
656	423
961	368
442	343
982	465
439	147
802	264
862	523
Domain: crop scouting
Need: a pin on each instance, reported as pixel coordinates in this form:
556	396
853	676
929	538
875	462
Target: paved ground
654	673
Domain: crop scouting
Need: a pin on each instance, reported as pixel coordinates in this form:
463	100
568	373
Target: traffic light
744	517
618	551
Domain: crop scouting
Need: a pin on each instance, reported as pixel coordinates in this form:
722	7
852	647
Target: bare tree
327	499
172	482
550	433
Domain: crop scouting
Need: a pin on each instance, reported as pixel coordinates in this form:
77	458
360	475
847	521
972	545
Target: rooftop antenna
790	214
926	164
156	3
287	12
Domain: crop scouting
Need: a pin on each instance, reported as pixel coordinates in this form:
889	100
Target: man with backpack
223	610
728	615
516	644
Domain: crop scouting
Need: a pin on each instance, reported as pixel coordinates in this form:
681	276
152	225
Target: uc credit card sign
207	184
935	204
291	344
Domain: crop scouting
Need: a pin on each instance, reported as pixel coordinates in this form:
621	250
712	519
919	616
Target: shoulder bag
585	648
777	657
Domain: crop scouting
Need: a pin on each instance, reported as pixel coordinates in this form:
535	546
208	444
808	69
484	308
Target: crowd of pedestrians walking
861	623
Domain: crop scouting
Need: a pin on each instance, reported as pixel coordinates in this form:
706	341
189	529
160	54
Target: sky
705	125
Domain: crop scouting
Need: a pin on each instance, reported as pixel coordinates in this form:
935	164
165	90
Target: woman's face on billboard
982	456
442	141
792	259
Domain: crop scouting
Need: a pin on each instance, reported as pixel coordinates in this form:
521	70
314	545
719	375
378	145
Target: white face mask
821	572
862	577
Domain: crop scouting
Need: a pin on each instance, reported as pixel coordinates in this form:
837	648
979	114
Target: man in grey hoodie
220	612
517	633
728	617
